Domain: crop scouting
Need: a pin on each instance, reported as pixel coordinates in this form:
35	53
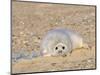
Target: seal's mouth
60	52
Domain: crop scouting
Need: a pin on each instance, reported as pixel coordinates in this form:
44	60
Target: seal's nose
60	51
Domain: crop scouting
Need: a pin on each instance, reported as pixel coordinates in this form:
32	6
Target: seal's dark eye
56	48
63	47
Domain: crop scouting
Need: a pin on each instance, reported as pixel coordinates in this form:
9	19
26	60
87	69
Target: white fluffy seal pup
60	42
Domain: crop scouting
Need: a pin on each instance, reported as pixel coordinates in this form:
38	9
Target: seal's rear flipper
86	46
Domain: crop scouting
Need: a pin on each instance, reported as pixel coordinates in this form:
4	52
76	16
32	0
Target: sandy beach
31	21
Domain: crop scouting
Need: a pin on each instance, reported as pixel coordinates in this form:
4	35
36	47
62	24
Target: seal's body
60	42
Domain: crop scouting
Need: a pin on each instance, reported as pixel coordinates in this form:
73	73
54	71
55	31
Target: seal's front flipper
69	54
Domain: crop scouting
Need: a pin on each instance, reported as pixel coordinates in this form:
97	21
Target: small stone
53	64
38	37
21	22
89	61
62	20
25	42
56	23
21	33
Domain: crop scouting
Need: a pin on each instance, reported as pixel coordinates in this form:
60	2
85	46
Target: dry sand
30	22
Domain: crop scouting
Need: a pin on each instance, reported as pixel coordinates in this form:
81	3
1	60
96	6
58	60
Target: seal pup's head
56	43
60	49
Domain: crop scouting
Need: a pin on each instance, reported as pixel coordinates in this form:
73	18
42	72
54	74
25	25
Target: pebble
21	22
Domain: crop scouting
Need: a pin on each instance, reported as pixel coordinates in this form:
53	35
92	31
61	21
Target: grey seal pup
60	42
